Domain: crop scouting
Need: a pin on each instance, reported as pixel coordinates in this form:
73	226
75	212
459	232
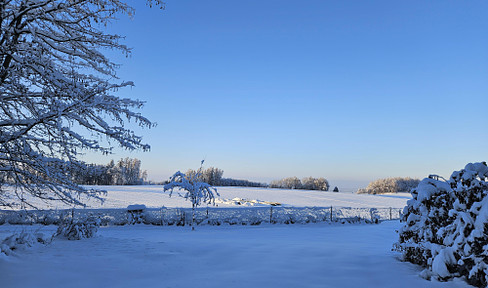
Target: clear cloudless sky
347	90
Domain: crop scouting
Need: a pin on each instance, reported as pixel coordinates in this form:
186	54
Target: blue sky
347	90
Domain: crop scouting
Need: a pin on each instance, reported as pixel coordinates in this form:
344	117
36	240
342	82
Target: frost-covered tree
310	183
446	226
390	185
57	93
126	172
194	190
307	183
211	175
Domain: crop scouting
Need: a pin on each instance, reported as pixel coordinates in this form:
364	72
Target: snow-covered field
153	196
313	255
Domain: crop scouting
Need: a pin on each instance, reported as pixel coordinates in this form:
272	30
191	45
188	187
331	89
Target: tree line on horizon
307	183
127	171
214	177
390	185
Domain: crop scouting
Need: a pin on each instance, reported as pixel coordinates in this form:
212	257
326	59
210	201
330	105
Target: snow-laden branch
57	92
192	189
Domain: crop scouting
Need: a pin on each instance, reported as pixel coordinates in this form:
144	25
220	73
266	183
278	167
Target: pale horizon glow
346	90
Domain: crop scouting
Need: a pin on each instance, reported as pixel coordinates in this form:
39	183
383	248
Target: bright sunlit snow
313	255
153	196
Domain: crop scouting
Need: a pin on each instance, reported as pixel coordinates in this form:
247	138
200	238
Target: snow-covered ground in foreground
314	255
153	196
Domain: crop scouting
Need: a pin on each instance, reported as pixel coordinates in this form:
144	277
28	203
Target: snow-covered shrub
106	220
194	189
446	226
136	214
374	214
135	218
72	230
21	241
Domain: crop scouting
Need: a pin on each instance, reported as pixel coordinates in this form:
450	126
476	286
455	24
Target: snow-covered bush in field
76	230
21	241
194	190
446	226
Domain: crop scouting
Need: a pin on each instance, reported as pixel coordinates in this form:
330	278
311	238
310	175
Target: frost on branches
57	94
193	189
446	226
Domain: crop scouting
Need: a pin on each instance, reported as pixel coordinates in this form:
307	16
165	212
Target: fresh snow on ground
153	196
313	255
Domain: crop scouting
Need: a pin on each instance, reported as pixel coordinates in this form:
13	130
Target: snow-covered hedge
446	226
207	216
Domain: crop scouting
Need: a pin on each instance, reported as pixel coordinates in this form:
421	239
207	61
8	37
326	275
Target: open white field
313	255
153	196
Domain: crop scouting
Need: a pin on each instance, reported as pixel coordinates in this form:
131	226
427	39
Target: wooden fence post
270	214
330	213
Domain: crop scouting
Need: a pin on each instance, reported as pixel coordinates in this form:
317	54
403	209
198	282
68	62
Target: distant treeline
125	172
390	185
213	176
307	183
128	172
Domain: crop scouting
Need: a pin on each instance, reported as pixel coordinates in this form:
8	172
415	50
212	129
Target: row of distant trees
307	183
126	171
214	177
390	185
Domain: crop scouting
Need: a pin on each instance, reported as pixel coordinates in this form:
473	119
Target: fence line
206	216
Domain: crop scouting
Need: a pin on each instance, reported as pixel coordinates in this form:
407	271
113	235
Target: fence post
330	213
183	217
162	222
270	214
390	214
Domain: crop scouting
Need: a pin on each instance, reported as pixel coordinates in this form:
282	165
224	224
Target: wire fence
205	216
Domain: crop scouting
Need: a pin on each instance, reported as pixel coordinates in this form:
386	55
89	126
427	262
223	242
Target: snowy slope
314	255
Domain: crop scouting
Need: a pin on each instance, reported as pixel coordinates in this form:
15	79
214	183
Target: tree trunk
193	216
